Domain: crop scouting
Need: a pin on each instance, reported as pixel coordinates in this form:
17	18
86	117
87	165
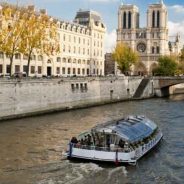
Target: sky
66	10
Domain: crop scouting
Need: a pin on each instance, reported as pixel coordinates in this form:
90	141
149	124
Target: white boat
120	141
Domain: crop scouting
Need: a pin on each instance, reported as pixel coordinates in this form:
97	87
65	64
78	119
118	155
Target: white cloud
110	41
177	8
176	27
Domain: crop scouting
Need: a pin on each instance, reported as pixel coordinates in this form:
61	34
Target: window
8	69
17	56
88	62
64	60
68	71
79	61
25	56
124	20
74	50
73	87
79	39
40	58
153	50
158	50
158	18
63	70
129	20
74	72
1	68
25	68
63	48
58	70
78	71
93	71
153	19
33	57
32	69
88	71
39	69
17	68
64	38
83	71
7	56
58	59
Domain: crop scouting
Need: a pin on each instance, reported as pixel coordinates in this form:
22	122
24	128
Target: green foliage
125	57
167	66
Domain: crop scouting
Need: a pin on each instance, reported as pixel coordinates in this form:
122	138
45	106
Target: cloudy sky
66	10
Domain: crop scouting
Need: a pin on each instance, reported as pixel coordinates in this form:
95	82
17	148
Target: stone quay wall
19	98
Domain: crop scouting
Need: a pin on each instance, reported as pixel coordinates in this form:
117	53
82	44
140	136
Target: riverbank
34	97
21	98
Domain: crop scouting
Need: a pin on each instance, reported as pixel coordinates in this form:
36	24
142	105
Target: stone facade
151	41
109	64
21	98
82	50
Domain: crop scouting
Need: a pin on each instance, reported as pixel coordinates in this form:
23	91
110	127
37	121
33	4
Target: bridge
161	85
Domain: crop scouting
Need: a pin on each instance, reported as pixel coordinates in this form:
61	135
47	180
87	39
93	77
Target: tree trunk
11	65
28	64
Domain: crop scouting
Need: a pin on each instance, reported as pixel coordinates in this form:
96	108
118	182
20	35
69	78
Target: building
81	50
109	64
151	41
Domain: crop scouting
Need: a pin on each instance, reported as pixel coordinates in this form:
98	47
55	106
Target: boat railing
99	148
146	147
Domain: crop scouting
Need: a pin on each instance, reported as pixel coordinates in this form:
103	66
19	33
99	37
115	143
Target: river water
31	148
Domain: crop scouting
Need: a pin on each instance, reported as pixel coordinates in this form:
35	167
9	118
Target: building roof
131	129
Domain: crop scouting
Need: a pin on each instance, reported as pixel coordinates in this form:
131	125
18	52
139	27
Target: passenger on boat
121	143
108	141
89	140
82	141
74	140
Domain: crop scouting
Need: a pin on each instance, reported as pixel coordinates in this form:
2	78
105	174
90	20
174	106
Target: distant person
74	140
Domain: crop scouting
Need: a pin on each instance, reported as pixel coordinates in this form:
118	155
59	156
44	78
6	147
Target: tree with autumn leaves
27	32
125	57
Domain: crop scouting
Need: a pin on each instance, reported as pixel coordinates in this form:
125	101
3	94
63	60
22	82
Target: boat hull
115	155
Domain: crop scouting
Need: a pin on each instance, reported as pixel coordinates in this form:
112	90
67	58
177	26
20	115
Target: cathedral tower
151	41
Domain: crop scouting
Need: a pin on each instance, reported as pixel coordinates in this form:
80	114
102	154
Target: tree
167	66
40	35
11	32
125	57
181	62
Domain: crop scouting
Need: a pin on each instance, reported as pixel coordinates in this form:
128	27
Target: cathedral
151	41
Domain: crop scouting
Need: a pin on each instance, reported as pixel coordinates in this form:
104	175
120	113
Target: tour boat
120	141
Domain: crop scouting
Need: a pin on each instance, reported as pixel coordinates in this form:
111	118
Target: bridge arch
164	84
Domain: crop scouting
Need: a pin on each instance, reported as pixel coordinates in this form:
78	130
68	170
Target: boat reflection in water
121	141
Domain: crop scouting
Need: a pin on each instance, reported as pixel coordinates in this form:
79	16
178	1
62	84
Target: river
31	148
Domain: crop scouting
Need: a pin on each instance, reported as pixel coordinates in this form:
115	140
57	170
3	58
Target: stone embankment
19	98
